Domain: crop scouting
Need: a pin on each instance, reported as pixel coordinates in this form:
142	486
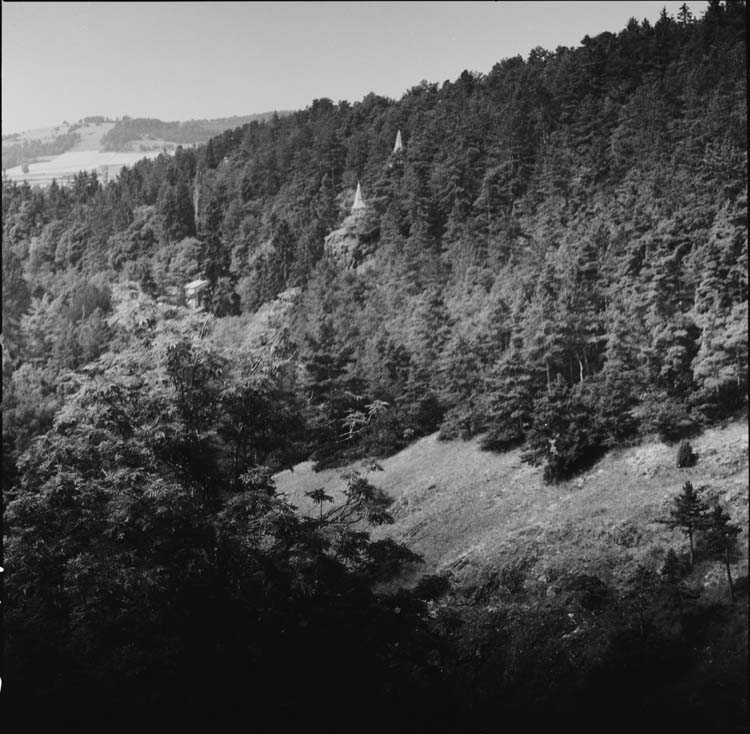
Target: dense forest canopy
556	259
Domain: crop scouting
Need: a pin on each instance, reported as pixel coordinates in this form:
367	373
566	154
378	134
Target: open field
64	167
91	135
39	133
470	512
85	155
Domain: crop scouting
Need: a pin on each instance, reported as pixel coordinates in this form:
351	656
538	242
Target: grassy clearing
66	165
85	155
470	512
91	135
39	133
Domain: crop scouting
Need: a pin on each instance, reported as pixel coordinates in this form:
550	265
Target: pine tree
623	376
580	306
717	366
541	331
507	404
674	333
689	513
431	331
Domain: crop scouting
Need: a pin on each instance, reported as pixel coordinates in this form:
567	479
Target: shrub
502	438
674	568
589	591
458	423
668	417
686	457
512	579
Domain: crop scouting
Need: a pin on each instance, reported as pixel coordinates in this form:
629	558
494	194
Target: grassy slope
91	135
472	512
84	155
44	134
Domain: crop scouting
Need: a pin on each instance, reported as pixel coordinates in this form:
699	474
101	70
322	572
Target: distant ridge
99	132
129	133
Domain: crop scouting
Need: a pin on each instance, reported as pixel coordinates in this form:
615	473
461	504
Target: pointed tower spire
359	202
399	145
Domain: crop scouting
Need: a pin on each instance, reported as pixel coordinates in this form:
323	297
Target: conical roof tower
399	145
359	202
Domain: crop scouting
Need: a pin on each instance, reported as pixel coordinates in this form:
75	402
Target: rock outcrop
349	244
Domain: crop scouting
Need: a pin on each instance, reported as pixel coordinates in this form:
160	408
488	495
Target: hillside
538	290
470	512
141	133
38	156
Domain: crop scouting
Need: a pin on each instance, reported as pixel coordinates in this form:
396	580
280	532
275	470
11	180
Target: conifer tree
580	306
623	375
689	513
674	333
507	403
431	330
719	366
542	334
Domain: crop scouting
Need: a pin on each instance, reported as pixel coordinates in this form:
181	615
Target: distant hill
20	149
142	133
99	133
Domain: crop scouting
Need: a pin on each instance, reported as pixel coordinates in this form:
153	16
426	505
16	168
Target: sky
190	60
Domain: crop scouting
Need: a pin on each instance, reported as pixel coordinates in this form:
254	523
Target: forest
556	259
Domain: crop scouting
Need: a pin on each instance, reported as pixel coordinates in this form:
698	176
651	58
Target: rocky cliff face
351	243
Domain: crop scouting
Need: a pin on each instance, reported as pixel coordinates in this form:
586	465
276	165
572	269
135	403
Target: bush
458	423
502	438
668	417
686	457
589	591
513	579
715	405
675	568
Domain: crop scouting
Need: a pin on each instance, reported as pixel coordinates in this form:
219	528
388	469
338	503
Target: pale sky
190	60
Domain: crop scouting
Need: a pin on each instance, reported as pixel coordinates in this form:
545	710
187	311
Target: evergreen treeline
557	259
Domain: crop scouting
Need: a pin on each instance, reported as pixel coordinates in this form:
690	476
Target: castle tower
399	145
359	202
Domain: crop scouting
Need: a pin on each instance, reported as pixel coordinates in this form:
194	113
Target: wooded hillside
555	261
558	257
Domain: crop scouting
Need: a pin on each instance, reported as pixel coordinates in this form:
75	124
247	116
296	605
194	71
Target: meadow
64	167
470	512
